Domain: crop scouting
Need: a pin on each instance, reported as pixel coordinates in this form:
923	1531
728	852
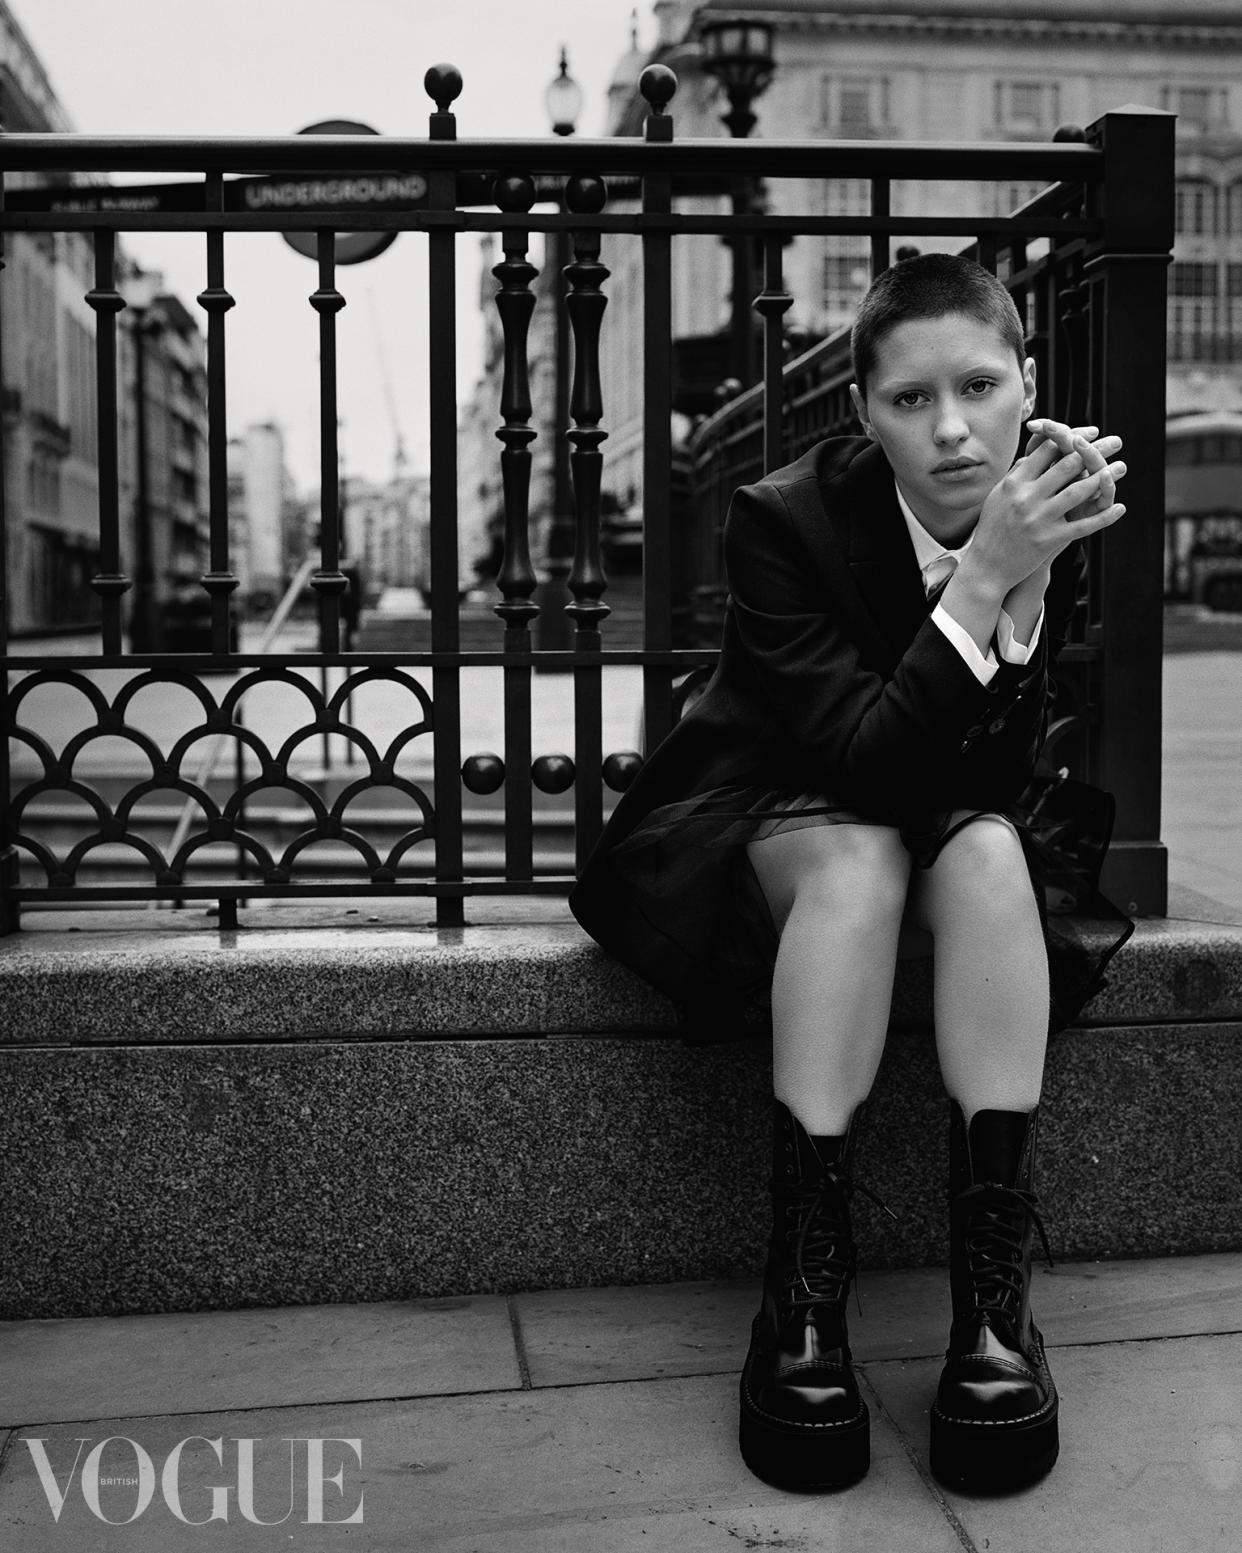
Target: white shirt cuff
982	667
1011	650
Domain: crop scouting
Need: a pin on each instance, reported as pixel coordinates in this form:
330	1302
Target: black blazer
832	679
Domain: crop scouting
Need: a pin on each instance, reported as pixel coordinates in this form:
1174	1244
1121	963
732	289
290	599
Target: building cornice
1051	31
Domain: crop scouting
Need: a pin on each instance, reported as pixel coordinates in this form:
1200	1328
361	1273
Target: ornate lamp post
563	101
737	52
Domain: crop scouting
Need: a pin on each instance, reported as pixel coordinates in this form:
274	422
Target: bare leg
837	894
991	970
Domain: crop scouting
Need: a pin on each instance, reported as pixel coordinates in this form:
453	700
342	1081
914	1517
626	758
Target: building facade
50	410
954	70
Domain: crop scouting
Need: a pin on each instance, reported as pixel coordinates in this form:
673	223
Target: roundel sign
339	191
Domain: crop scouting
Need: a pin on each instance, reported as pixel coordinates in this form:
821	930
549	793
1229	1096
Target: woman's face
946	401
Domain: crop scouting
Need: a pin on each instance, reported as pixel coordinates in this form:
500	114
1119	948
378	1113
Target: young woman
852	773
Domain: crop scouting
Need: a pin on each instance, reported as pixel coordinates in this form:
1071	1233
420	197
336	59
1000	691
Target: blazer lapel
877	543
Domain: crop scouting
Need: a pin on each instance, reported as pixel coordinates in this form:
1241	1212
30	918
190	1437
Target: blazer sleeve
893	740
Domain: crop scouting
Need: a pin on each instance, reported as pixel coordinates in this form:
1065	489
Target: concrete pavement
602	1421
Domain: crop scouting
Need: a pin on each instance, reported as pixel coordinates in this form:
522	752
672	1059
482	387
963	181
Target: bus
1203	510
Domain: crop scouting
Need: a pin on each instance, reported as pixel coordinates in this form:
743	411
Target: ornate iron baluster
585	303
772	303
110	583
329	582
443	84
8	852
516	303
219	581
658	86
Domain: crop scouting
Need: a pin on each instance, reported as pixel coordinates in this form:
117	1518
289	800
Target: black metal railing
1086	261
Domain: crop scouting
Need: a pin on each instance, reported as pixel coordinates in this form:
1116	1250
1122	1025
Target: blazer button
997	725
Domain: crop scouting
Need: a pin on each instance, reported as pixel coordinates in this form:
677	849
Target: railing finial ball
514	192
552	773
483	773
658	85
1072	133
442	83
585	194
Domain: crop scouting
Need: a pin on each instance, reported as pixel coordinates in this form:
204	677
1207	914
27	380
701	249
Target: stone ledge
160	1177
136	983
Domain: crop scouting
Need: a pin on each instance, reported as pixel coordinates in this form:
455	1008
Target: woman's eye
979	386
911	397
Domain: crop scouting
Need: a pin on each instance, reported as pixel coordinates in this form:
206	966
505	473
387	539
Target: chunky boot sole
810	1457
993	1458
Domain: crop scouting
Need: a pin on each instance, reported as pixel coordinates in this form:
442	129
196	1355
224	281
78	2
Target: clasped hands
1062	488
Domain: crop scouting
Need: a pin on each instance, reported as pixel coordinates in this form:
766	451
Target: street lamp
563	100
737	52
141	291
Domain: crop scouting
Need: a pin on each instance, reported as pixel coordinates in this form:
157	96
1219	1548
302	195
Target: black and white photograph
621	821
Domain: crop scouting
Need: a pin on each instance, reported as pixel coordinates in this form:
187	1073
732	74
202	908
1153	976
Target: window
1191	278
1233	210
1026	109
847	274
1196	207
1196	330
847	196
1198	108
856	107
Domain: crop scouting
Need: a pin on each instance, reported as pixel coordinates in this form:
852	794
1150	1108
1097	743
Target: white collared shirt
982	666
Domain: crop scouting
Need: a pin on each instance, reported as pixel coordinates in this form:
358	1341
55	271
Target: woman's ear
860	407
1028	386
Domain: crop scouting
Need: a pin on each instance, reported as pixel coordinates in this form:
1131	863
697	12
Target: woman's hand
1097	452
1063	488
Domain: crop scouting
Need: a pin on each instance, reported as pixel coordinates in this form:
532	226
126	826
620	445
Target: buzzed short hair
931	285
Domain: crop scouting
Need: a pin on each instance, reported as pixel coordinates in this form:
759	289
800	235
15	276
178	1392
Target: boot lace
996	1219
823	1260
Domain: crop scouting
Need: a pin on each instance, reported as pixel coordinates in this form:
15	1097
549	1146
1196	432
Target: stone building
958	70
51	431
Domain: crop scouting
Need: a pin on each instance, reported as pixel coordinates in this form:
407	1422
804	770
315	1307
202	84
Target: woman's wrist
974	599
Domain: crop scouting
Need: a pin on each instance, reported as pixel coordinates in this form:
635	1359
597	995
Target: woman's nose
951	426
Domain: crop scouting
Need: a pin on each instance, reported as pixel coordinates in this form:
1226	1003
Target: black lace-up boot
804	1424
994	1421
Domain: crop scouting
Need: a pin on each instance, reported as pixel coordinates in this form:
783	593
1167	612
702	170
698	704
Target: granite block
196	1176
536	978
297	984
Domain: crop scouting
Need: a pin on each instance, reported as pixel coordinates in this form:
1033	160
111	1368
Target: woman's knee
856	873
984	862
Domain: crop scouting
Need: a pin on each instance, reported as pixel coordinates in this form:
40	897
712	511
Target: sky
271	67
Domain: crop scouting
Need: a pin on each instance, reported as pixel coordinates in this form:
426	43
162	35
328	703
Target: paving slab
586	1469
1151	1451
584	1336
113	1366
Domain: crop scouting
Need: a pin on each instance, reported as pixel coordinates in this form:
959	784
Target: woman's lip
956	468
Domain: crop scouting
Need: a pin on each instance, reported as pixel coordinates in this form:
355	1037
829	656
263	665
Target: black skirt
708	940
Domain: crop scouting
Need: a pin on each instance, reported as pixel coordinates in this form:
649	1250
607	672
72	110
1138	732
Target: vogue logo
130	1467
